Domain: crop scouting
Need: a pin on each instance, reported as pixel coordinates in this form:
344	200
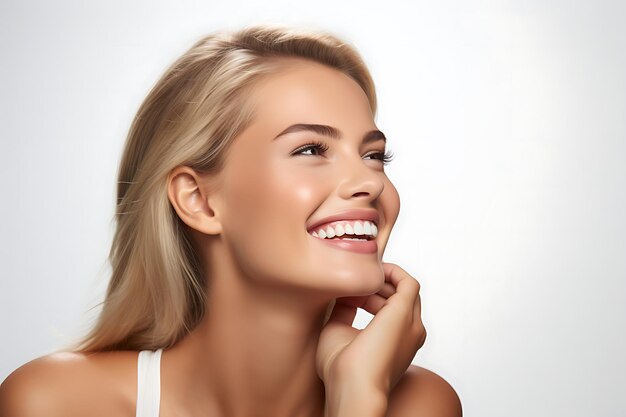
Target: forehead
304	91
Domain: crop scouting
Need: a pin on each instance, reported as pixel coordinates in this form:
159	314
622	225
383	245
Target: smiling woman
253	213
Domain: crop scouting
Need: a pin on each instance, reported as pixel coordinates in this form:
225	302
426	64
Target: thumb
342	314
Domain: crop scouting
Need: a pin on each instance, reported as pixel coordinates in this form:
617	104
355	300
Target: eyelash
385	158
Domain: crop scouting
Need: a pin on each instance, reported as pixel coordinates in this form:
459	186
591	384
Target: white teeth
363	227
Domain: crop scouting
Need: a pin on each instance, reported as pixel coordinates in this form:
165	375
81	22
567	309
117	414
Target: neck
254	352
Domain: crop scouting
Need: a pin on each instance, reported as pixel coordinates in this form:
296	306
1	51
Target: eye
318	147
384	157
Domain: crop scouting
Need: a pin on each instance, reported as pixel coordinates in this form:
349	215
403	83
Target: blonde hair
190	117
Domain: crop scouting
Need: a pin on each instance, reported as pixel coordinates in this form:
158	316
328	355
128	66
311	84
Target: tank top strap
148	383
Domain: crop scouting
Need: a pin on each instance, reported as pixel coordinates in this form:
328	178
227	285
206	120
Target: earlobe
191	202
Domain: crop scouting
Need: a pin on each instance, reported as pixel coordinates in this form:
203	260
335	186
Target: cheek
391	202
303	192
266	218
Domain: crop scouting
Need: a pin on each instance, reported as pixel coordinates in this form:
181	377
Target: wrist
354	399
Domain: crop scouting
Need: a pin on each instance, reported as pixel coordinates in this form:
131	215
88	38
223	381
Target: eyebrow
330	131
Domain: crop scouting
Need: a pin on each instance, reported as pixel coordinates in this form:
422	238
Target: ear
188	193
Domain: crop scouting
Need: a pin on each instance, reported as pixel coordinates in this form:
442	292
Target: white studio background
508	124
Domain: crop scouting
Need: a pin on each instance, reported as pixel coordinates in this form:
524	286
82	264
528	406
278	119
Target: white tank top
148	383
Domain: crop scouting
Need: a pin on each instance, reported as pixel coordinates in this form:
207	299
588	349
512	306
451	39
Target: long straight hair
156	293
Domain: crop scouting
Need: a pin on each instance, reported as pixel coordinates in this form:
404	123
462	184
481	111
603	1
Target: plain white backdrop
508	124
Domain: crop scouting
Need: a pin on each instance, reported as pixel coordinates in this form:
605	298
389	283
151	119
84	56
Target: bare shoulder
421	392
68	383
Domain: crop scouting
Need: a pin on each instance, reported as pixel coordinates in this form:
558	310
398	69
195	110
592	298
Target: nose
360	179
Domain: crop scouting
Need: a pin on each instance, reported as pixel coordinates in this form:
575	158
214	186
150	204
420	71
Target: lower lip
359	246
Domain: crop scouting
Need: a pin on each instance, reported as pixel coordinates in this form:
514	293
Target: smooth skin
263	348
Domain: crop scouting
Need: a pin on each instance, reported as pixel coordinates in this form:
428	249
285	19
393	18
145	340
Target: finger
394	273
407	287
352	301
417	310
408	290
370	303
374	303
400	318
387	290
342	314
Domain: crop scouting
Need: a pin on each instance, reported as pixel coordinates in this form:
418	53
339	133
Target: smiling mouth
359	230
355	236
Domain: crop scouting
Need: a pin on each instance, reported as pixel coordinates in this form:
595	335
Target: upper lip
351	214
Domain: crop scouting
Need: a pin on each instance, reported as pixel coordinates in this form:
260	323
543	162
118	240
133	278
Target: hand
377	356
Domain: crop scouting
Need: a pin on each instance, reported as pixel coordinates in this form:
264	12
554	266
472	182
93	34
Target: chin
359	280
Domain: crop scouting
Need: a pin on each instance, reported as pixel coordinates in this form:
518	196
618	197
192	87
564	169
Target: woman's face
274	187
